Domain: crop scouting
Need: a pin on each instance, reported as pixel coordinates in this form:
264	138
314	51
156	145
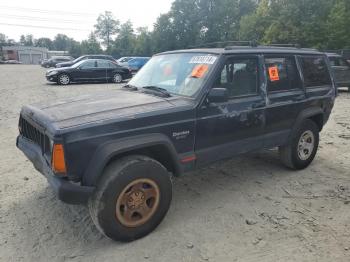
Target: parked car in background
85	57
52	62
341	70
14	62
137	63
123	61
91	70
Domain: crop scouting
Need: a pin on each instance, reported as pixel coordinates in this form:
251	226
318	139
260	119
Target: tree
143	42
22	40
338	25
106	27
44	42
3	39
74	48
253	26
125	41
163	34
91	45
61	42
27	40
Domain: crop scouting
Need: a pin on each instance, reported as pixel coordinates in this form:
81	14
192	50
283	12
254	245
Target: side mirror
218	95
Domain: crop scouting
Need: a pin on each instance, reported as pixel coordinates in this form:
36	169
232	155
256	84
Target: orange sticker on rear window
273	73
199	71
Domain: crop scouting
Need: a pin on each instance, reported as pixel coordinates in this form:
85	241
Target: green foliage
323	24
91	45
27	40
106	27
338	25
44	42
3	39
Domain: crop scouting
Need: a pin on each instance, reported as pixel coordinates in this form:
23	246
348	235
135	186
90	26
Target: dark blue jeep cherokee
185	109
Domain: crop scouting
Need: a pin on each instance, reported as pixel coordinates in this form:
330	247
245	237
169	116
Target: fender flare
305	114
105	152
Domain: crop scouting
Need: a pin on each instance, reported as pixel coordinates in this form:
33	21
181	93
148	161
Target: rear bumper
66	191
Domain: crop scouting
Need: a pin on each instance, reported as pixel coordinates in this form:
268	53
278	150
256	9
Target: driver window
239	76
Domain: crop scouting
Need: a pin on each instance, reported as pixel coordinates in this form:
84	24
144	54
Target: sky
75	18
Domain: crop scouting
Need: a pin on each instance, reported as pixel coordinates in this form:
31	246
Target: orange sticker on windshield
273	73
168	70
199	71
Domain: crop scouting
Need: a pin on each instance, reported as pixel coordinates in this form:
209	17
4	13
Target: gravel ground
249	208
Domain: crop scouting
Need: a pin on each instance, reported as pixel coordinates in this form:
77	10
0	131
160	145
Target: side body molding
105	152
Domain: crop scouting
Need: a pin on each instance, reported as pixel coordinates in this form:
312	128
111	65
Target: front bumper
68	192
52	78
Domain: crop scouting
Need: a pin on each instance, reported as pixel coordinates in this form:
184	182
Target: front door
226	129
86	71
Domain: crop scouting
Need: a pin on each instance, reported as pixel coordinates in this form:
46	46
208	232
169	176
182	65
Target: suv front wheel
132	198
301	150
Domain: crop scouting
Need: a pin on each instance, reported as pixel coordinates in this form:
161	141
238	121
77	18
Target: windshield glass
78	64
181	74
77	60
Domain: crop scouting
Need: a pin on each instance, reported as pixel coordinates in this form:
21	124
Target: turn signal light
58	163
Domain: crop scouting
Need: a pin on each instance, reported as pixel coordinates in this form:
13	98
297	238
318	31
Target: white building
25	54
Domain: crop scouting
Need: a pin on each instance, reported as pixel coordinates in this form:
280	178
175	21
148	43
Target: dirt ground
249	208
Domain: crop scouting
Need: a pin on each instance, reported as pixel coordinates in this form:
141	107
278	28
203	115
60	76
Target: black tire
60	80
116	178
290	155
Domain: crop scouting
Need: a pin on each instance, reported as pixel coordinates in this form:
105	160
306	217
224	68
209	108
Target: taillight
58	163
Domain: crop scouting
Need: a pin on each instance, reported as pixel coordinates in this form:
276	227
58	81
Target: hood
59	69
115	104
64	64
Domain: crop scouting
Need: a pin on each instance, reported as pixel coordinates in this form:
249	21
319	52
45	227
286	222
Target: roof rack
225	43
284	45
230	45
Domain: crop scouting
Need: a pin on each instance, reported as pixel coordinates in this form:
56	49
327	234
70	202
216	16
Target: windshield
75	65
77	59
181	74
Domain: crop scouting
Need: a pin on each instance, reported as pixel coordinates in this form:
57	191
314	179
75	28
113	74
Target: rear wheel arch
315	114
153	146
318	119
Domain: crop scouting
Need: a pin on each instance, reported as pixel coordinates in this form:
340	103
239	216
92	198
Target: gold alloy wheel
137	202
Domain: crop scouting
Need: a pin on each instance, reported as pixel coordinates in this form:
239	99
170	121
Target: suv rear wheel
132	198
300	152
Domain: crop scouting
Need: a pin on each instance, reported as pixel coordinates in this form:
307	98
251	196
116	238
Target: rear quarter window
315	71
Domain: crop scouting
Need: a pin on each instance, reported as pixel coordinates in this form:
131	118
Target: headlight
52	73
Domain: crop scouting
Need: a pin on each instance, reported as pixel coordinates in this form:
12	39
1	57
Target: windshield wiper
131	87
157	89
